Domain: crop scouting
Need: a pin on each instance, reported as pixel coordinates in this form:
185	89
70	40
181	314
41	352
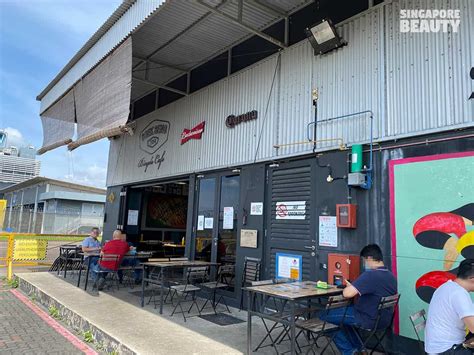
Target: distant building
17	163
43	205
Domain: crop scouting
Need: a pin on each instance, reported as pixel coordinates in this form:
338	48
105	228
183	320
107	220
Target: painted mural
432	213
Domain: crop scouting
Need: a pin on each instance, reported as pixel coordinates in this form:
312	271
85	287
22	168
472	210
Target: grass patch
88	336
54	312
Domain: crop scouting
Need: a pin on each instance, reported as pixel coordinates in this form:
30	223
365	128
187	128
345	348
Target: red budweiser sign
193	133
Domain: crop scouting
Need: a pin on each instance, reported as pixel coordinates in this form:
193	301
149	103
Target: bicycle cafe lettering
151	139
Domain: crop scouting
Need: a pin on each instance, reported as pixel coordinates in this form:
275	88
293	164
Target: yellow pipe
342	146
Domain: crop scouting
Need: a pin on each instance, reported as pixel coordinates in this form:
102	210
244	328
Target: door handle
312	247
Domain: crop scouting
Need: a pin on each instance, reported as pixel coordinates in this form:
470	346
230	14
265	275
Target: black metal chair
250	274
194	275
110	274
212	287
418	320
68	259
378	331
317	328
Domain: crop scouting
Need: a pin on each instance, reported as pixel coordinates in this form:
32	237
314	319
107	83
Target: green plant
88	336
113	352
13	283
54	312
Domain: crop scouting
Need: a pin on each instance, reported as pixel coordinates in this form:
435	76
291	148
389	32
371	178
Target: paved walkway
27	329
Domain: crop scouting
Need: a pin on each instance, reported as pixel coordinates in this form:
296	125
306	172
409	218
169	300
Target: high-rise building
17	163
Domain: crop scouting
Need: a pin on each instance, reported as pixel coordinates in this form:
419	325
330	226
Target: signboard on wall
289	266
193	133
291	210
248	238
166	211
132	219
327	231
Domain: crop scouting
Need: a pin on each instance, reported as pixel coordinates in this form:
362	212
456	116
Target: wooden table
291	293
163	266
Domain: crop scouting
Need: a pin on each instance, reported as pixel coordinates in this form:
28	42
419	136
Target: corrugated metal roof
179	32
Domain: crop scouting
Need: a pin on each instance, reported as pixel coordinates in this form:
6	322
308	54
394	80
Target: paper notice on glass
228	218
327	231
248	238
256	208
132	219
200	226
208	223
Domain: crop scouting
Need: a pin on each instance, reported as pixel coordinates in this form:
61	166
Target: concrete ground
26	329
143	330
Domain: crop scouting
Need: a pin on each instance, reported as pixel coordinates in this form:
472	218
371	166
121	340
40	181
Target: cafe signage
193	133
152	138
232	120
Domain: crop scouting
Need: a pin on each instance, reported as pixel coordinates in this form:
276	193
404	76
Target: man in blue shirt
374	283
91	245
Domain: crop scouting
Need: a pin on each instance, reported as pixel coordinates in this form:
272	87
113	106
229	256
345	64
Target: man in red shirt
116	247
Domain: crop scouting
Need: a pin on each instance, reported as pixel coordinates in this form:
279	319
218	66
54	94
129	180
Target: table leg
249	321
292	328
80	273
162	289
66	262
87	273
144	276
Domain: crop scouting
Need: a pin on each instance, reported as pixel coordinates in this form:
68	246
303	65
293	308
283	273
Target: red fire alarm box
343	267
346	216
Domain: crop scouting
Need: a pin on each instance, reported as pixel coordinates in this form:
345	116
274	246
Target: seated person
116	246
90	245
450	313
374	283
134	262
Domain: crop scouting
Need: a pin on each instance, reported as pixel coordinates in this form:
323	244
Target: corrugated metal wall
414	84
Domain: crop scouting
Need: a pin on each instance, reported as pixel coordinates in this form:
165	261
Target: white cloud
92	175
15	137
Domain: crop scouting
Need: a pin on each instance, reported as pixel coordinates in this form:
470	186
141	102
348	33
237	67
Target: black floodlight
324	37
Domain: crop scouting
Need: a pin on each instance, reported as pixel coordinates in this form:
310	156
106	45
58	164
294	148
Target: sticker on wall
208	223
248	238
193	133
228	222
132	218
200	226
289	266
327	231
291	210
256	208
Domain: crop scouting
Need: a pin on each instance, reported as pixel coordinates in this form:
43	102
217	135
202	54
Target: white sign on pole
208	223
132	219
228	218
291	210
327	231
256	208
200	226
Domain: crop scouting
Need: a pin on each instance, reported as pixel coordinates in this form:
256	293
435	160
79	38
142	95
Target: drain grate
221	319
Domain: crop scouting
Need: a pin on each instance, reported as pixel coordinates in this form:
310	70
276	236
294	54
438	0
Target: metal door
290	193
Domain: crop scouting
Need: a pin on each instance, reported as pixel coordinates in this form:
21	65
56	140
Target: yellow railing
25	249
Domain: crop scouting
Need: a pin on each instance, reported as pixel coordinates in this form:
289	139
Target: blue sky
37	38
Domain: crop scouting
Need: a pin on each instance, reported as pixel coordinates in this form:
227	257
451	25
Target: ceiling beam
163	64
267	7
241	24
159	86
167	43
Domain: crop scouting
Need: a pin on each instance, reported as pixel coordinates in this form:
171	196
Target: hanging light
324	37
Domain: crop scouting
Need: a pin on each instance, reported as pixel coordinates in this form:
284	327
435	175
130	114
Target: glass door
216	221
229	201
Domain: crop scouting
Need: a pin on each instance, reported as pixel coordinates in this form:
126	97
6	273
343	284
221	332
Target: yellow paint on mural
25	249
